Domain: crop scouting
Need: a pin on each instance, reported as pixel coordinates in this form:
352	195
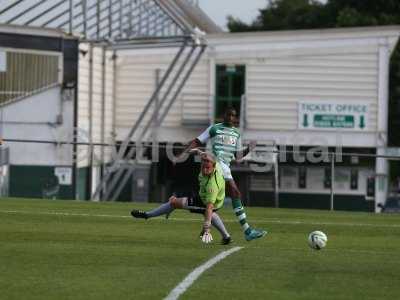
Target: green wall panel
83	184
37	182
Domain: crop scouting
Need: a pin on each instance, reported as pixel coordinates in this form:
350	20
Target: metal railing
110	185
28	73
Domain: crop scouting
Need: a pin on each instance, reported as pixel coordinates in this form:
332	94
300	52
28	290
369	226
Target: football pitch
52	249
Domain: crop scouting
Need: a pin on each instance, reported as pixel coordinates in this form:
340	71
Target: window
27	73
230	87
370	186
354	179
302	177
327	178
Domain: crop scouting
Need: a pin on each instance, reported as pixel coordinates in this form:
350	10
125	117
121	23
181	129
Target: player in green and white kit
209	199
226	146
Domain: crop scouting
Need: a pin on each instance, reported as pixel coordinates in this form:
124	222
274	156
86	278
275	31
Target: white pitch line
267	220
56	213
192	277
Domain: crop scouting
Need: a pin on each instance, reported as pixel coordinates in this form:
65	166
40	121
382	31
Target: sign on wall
64	175
336	115
3	61
392	151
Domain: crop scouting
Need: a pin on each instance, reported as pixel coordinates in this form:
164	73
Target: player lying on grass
226	146
209	199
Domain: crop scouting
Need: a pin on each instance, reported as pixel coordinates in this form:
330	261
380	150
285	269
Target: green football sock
241	214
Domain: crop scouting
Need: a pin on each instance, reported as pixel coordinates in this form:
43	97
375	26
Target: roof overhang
191	15
110	21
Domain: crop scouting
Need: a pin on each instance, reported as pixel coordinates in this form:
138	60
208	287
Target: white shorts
226	171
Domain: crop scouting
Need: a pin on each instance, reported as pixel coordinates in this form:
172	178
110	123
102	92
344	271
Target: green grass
80	250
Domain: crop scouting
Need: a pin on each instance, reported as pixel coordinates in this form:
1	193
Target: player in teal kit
226	146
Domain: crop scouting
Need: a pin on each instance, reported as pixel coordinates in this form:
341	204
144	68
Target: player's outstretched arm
207	237
193	145
242	153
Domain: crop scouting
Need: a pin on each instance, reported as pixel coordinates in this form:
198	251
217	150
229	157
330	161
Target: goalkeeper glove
206	236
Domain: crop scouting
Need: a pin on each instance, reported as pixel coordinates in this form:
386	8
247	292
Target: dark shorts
195	205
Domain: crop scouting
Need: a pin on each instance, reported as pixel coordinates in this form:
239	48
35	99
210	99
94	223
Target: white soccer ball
317	240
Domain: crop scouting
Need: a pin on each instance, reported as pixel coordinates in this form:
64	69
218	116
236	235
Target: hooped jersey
225	141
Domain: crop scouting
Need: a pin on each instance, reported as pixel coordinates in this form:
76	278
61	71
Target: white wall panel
136	81
34	119
275	86
101	104
83	103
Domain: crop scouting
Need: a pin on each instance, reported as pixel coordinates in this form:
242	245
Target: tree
286	14
304	14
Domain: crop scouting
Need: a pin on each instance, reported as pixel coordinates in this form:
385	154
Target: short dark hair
230	108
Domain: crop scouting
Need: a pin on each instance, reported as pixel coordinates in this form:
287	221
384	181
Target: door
230	87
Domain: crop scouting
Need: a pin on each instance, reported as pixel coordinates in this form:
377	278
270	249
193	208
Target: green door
230	87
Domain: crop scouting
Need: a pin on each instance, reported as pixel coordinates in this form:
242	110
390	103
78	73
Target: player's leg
163	209
234	193
237	206
217	222
195	205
